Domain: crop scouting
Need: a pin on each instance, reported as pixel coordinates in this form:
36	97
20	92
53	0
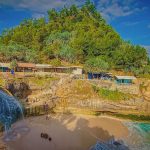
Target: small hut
124	79
100	75
77	70
4	67
25	67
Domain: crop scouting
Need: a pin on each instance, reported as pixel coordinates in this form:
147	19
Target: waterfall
10	111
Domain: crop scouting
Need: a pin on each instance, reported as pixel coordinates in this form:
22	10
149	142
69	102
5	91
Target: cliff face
19	89
81	94
72	93
33	91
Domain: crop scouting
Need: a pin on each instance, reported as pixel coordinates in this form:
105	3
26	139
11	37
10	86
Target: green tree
96	64
55	62
13	64
75	34
128	56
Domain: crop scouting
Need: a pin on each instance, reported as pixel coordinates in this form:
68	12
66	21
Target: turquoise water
145	127
139	137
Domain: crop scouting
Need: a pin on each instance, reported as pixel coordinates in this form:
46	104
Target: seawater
139	136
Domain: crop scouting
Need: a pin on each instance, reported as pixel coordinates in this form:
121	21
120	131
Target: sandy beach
69	132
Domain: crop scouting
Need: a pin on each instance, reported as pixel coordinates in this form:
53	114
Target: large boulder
19	89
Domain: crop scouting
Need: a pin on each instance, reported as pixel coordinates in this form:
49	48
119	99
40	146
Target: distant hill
74	35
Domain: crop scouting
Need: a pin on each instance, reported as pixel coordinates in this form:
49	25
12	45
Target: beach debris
46	136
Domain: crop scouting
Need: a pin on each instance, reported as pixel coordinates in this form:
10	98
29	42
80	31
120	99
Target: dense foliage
111	95
75	35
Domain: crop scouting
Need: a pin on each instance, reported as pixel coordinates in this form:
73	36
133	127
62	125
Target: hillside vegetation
74	35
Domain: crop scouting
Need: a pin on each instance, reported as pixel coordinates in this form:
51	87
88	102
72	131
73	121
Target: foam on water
139	137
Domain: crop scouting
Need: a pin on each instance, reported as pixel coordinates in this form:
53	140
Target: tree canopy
76	35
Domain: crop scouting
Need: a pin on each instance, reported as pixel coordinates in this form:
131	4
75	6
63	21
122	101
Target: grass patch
2	81
42	81
115	96
146	76
82	88
133	117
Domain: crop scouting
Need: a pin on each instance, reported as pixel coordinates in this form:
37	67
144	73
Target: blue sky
131	18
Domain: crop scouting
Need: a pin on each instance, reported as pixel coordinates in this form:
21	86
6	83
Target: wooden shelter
43	67
25	67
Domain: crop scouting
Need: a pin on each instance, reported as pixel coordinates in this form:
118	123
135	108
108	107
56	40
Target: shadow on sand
68	132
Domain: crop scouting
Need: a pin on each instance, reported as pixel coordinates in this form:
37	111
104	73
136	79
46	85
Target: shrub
96	64
112	95
55	62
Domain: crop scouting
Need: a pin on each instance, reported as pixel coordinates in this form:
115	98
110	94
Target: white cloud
115	8
147	47
39	5
130	23
38	15
106	16
109	8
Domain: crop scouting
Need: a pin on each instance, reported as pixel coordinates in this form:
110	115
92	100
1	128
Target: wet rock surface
19	89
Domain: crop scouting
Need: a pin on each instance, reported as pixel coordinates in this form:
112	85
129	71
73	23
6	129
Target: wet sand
69	132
